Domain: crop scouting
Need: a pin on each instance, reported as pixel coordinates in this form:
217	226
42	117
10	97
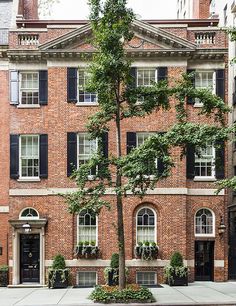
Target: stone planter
4	281
58	278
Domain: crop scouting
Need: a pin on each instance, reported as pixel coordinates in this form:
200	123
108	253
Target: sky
145	9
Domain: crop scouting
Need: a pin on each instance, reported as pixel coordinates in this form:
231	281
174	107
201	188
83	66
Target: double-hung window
29	156
205	162
205	79
146	225
87	227
146	76
86	148
84	96
29	88
140	139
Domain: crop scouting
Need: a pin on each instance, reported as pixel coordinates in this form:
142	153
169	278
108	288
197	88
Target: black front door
204	260
29	258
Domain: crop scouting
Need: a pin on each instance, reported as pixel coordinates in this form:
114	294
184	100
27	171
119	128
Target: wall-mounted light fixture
26	227
222	227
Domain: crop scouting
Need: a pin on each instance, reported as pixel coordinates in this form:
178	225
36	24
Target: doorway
204	260
29	258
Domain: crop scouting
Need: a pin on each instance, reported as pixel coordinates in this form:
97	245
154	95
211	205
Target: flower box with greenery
146	250
176	273
58	274
132	293
86	249
4	280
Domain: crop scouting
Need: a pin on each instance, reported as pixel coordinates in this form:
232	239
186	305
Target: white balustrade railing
28	39
205	38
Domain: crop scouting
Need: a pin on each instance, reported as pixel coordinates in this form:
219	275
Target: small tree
117	97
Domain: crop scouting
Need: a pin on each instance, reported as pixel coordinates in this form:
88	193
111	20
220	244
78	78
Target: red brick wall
201	9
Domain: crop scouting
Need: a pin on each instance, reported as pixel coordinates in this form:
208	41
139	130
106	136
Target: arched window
146	225
204	222
29	213
87	227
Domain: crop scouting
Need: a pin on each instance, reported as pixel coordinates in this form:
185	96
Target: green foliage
227	183
114	261
146	250
134	293
4	268
58	262
176	260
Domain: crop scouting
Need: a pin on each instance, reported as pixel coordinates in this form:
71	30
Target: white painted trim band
4	209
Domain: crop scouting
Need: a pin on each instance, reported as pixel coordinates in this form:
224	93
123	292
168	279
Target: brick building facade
43	116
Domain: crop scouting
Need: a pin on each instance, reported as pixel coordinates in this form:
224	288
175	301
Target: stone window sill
204	179
28	106
28	179
87	104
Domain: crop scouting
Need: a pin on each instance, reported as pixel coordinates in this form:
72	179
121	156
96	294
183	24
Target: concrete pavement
198	293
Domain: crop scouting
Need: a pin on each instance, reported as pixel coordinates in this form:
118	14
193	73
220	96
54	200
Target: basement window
146	278
86	279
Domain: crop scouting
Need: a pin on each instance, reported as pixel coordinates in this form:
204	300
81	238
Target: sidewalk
198	293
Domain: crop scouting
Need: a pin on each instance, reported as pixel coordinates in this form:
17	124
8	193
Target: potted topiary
87	250
176	273
146	250
58	275
112	273
4	276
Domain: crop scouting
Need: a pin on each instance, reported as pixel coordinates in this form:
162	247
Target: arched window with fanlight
29	213
204	222
87	227
146	225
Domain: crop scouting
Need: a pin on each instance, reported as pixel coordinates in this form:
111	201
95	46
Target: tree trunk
119	204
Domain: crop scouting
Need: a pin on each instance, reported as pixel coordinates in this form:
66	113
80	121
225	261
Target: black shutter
190	162
43	156
133	73
131	141
14	156
71	153
191	100
104	148
43	87
220	83
72	84
161	73
220	160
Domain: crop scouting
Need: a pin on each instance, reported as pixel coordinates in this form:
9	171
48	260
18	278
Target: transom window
86	148
85	96
29	213
146	225
205	161
146	278
87	227
29	88
146	76
29	156
204	222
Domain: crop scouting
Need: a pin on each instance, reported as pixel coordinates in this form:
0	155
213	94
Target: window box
87	251
146	251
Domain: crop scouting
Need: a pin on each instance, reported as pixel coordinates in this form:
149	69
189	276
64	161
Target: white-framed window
205	79
205	162
140	139
29	88
146	76
84	96
87	227
145	225
29	156
29	213
146	278
86	148
86	279
204	222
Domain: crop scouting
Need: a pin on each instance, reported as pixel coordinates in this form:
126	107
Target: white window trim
77	276
28	178
145	68
213	224
28	218
211	178
96	230
198	104
90	177
155	273
155	223
84	103
20	105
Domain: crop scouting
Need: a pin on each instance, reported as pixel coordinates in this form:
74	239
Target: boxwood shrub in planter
4	280
133	293
58	276
111	273
87	250
176	273
146	250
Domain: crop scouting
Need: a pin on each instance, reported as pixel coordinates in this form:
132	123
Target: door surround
37	227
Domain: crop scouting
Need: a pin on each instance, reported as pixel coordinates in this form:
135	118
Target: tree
111	79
